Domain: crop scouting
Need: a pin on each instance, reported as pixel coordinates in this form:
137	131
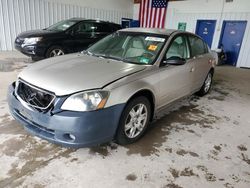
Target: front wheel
55	51
134	121
206	85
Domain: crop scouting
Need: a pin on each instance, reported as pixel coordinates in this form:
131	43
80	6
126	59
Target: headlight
34	40
86	101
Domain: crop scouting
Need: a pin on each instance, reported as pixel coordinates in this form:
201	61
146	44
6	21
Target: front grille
34	96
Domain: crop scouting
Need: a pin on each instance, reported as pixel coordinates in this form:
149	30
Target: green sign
182	26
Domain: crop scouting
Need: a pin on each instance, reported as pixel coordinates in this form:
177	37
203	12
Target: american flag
153	13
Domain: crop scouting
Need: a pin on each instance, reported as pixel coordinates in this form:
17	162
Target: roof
150	30
95	20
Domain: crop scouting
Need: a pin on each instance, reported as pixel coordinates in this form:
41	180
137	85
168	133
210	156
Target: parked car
113	89
67	36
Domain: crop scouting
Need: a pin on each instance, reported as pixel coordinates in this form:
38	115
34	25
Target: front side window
84	27
129	47
178	49
197	46
91	27
62	26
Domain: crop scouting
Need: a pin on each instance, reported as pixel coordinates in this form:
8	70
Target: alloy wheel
136	120
56	52
208	82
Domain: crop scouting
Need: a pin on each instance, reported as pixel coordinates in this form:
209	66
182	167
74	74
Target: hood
37	33
71	73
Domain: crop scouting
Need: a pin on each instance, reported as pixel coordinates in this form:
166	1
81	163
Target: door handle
192	69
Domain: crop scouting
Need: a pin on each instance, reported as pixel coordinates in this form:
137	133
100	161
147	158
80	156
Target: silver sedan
112	90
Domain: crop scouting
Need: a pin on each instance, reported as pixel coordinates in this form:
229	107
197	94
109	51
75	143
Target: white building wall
21	15
191	10
119	5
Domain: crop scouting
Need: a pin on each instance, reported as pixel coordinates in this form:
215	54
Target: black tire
35	58
122	137
51	52
205	88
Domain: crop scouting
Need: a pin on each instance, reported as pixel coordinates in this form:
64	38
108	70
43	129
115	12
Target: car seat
175	50
135	48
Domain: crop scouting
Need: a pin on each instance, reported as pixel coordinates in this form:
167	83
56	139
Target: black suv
67	36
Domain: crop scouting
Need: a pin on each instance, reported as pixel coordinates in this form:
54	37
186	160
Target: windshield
62	26
129	47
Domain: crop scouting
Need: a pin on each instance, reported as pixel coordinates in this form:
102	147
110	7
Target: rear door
201	60
176	80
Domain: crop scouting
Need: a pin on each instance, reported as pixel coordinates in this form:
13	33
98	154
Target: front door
87	33
176	80
80	37
205	29
231	40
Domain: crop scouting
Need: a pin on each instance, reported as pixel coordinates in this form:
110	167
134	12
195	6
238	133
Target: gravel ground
198	142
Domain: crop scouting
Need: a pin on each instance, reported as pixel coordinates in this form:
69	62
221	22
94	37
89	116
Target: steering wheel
148	54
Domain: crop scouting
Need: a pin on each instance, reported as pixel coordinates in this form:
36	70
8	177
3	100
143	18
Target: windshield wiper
108	57
93	54
114	57
86	52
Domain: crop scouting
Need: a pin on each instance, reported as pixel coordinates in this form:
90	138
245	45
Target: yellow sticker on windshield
152	47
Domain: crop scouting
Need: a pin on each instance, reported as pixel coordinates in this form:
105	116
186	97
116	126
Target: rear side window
103	27
197	46
206	47
91	27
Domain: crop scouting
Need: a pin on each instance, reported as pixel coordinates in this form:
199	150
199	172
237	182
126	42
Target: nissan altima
112	90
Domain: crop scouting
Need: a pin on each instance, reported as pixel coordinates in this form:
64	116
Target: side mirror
174	61
217	50
70	32
73	32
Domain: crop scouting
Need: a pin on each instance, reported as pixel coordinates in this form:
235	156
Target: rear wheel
206	85
55	51
134	121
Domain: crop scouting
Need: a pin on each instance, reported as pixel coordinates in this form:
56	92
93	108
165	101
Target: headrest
137	43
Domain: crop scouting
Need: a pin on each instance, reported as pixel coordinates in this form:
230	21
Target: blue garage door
232	34
205	29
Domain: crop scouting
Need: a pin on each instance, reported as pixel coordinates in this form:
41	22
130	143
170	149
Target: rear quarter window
206	47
